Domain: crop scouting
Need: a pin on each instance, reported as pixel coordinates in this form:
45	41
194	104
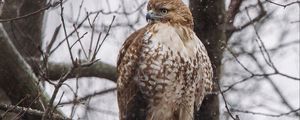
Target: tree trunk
25	33
209	27
16	77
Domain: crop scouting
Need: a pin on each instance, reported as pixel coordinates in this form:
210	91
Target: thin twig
262	13
226	104
71	33
49	5
29	111
88	96
65	31
107	34
79	40
55	34
266	114
283	5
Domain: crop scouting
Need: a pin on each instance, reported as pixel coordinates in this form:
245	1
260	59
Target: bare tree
231	30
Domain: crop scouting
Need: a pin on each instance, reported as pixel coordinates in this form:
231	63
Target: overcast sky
287	60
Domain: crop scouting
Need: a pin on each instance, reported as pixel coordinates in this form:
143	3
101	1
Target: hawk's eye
164	11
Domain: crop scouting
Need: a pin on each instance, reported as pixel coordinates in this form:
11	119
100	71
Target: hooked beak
151	16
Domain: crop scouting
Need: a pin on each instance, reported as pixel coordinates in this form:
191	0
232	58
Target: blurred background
254	46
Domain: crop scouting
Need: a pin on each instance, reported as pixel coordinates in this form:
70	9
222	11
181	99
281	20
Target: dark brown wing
128	42
131	103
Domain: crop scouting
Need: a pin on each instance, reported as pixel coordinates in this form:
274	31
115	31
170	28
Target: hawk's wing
129	97
132	105
204	86
134	37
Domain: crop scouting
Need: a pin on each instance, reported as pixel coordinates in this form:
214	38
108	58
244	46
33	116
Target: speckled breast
167	70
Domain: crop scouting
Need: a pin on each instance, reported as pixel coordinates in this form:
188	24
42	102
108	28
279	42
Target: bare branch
28	111
98	69
79	40
33	13
65	31
232	11
105	37
276	89
265	114
23	82
284	5
226	104
71	33
55	34
76	101
230	30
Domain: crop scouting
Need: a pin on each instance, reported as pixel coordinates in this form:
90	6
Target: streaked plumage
164	70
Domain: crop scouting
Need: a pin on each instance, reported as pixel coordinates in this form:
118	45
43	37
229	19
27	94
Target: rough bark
17	79
25	35
209	26
21	38
98	69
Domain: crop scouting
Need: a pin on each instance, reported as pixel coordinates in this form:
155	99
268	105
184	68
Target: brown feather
164	70
128	93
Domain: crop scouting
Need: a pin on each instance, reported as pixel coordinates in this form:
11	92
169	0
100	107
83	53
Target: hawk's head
172	11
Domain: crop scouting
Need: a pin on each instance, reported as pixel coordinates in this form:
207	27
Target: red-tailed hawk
164	70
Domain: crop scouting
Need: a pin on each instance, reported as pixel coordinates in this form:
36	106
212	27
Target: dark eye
164	11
